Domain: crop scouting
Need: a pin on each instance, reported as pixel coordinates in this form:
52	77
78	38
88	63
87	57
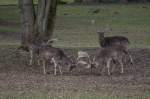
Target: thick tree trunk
39	27
27	21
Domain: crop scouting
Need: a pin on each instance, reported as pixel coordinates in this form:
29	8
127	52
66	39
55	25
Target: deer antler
51	40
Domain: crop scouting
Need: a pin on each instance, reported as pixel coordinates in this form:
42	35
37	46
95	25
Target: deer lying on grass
114	41
110	54
55	56
84	60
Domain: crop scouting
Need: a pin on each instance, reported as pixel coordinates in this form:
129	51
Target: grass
6	2
75	21
14	2
12	29
11	2
41	95
36	95
131	21
74	29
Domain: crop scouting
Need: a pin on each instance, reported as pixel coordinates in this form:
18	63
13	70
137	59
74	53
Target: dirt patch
9	23
16	74
10	35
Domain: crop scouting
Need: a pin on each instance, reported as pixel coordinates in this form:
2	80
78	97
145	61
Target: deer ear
50	41
100	32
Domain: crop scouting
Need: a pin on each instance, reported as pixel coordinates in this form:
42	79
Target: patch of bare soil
8	23
16	74
10	36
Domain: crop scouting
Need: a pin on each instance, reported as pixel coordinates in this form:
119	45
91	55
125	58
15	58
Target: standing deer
114	41
34	48
55	56
110	54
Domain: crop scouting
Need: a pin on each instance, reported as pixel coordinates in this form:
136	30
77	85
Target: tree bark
87	1
46	18
27	21
78	1
37	27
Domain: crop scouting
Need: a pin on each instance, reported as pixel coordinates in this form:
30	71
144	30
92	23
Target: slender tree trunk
78	1
87	1
46	18
37	26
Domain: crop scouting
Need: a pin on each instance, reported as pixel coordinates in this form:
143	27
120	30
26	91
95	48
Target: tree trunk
87	1
46	18
78	1
27	21
37	27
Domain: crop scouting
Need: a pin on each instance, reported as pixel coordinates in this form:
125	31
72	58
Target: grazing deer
55	56
110	54
114	41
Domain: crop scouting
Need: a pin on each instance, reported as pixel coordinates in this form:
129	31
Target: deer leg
102	67
120	62
130	57
31	57
55	66
108	66
59	66
38	61
131	60
44	67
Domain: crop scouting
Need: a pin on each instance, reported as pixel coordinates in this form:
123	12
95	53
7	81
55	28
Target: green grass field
74	27
61	95
14	2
